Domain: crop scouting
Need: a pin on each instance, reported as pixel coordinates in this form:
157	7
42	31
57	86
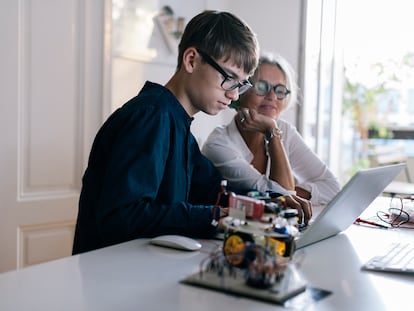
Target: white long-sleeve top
227	150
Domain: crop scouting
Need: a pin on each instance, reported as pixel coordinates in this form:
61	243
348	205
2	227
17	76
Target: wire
396	216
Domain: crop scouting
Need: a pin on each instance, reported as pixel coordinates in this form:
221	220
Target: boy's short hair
221	35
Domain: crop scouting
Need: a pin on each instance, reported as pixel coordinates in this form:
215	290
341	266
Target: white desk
138	276
399	187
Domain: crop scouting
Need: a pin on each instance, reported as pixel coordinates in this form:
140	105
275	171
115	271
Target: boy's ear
235	104
189	59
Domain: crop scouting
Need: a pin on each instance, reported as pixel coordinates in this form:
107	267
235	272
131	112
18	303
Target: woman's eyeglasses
228	83
262	88
400	212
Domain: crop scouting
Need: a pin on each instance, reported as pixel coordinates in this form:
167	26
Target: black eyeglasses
228	83
262	88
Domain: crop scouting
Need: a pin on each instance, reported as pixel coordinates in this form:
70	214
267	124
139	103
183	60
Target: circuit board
290	285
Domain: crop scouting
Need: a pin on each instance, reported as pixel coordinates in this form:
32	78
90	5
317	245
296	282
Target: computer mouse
177	242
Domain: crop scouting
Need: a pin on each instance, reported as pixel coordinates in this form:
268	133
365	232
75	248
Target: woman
259	150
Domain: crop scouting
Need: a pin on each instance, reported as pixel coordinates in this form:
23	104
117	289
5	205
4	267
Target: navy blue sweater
146	176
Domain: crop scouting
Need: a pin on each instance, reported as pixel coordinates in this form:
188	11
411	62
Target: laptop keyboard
399	257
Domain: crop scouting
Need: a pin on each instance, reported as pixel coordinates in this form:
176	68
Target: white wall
277	24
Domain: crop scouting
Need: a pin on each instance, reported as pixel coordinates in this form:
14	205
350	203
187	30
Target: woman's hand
251	120
303	193
303	206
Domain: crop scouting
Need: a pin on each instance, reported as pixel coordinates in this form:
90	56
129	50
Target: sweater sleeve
135	200
227	150
311	173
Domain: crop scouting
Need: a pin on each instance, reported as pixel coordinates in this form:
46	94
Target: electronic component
252	207
236	249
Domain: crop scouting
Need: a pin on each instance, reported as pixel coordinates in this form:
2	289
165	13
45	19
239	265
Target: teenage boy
146	175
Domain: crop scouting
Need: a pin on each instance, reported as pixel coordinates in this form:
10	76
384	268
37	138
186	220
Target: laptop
358	193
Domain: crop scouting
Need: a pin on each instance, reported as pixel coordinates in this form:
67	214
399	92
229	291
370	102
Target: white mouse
176	241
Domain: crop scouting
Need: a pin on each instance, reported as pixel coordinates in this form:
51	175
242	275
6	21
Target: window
359	80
